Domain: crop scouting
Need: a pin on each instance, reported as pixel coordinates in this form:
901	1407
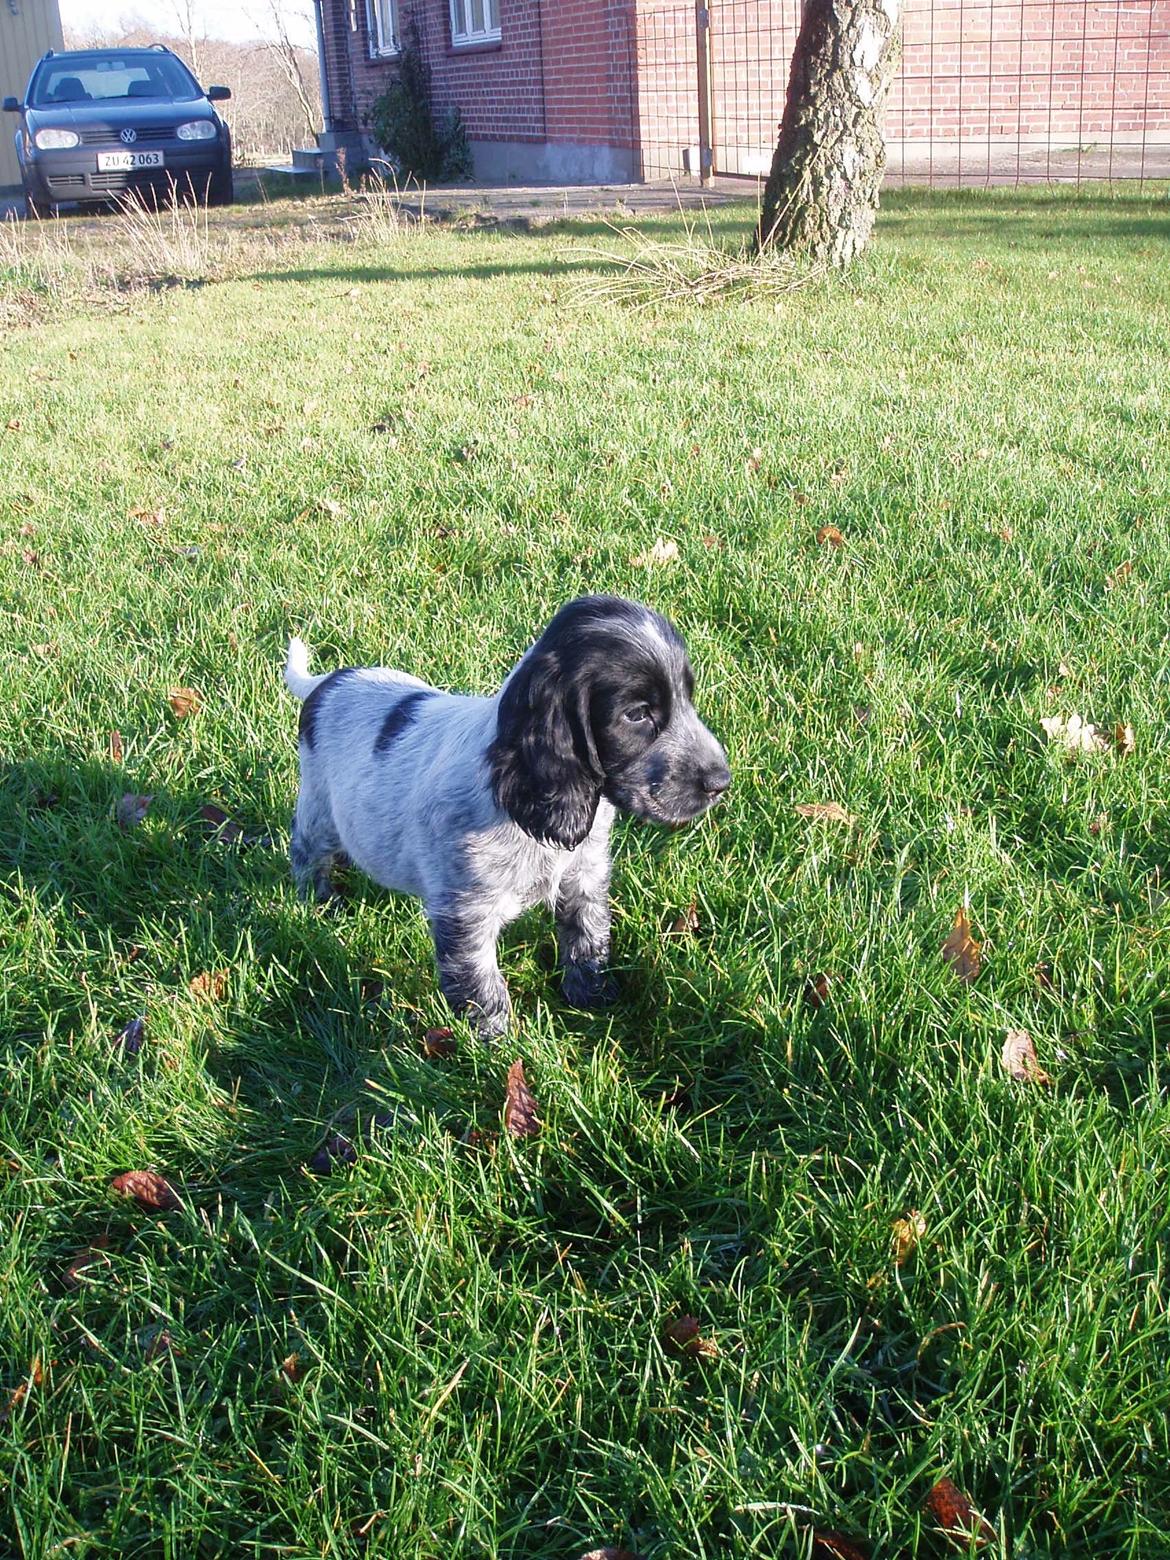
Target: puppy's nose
716	781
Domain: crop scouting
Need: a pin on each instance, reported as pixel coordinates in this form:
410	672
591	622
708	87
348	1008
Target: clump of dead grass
695	269
386	212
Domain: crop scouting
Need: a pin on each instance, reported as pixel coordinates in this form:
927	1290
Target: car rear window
103	78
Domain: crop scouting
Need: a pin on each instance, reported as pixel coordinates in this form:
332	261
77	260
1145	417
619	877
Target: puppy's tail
296	670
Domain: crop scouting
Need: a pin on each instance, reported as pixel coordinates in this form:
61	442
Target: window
475	21
382	21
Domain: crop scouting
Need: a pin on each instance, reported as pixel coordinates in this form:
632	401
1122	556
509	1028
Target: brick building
606	90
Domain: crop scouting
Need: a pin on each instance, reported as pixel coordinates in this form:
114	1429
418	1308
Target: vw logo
129	135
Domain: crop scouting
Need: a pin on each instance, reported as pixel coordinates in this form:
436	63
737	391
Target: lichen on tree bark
822	191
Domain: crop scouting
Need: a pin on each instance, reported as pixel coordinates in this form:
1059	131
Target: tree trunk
822	192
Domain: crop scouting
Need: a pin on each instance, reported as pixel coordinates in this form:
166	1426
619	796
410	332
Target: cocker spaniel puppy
486	806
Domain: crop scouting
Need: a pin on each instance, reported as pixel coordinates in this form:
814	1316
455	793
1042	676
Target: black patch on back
399	718
311	708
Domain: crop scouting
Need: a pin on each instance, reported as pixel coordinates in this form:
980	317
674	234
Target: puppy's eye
637	713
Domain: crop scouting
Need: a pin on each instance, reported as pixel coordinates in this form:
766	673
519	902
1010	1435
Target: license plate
125	162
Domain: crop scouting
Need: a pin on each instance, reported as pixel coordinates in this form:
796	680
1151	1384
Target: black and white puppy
486	806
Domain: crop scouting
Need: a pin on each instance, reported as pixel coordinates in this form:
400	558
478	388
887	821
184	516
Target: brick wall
622	73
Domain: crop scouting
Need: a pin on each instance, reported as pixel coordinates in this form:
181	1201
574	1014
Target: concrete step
291	170
309	158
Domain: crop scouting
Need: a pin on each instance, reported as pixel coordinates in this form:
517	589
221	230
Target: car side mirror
11	105
218	94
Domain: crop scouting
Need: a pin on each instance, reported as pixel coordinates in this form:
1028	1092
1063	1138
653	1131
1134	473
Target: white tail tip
296	669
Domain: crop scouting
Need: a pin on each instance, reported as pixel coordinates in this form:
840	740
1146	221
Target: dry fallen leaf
115	747
682	1336
1077	735
816	991
94	1252
1119	576
828	812
150	517
662	551
752	465
291	1368
955	1515
1020	1060
210	984
687	923
830	536
609	1554
132	809
156	1341
223	827
907	1233
36	1376
148	1189
830	1545
1125	739
334	1150
960	950
437	1043
131	1037
520	1110
184	701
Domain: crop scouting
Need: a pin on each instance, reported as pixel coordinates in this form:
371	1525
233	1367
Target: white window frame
382	26
463	30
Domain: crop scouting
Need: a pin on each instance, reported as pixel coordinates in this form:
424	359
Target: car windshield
117	78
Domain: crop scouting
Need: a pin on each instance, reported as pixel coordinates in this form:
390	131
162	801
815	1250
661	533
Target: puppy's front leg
469	975
583	918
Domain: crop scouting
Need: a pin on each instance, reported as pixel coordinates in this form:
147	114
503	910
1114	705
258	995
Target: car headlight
55	140
196	130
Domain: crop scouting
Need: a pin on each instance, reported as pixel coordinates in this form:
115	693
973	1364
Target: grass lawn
412	452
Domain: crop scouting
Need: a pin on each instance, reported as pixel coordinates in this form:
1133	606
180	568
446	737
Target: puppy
484	807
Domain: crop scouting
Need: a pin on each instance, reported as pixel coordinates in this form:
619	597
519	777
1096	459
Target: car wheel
221	192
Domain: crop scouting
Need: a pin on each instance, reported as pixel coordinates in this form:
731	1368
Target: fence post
703	54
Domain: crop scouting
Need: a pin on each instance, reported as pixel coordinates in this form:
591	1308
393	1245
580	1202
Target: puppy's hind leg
315	849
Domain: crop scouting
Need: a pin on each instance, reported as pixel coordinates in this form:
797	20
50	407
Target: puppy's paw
586	985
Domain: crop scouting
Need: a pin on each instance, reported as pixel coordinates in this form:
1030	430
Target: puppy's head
601	706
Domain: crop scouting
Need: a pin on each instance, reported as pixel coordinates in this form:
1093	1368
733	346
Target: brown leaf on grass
1077	735
609	1554
335	1150
907	1233
682	1337
960	949
31	559
35	1377
291	1368
1125	739
688	922
184	701
753	462
662	551
131	1037
830	1545
816	991
210	985
223	827
521	1118
94	1252
437	1043
956	1517
13	425
115	747
830	536
150	517
155	1342
1043	973
1119	575
1020	1060
148	1190
132	809
826	812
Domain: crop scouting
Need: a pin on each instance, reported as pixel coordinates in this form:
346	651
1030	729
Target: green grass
982	409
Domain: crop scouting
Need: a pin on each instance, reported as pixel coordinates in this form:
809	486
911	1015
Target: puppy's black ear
545	771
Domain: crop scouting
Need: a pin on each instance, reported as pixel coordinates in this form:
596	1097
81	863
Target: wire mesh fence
986	91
